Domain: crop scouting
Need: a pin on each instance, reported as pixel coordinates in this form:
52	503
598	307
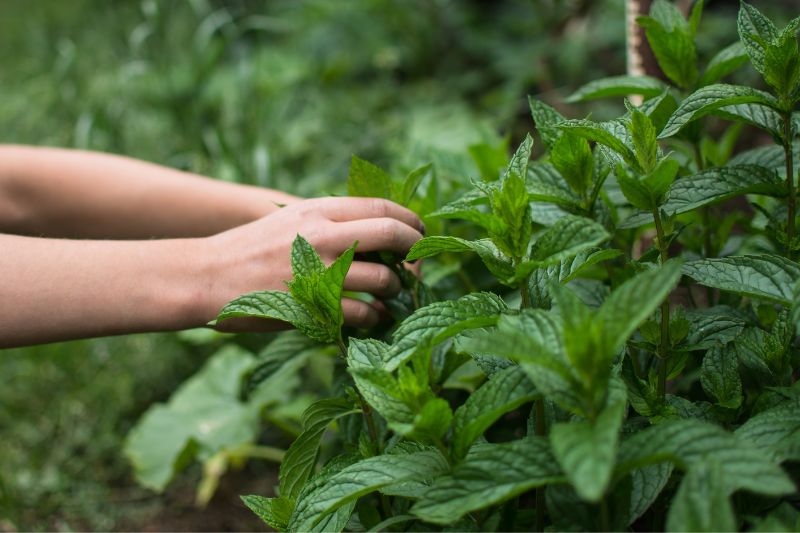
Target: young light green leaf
510	203
587	451
710	98
720	378
775	430
601	133
618	86
275	512
300	458
409	185
366	179
672	41
490	474
503	392
723	63
546	118
305	260
625	308
782	66
702	503
438	321
643	135
755	30
360	479
572	157
688	442
765	277
519	161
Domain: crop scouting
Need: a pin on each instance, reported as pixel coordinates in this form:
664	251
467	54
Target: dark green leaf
275	512
546	118
603	133
672	42
776	430
702	504
755	30
723	63
720	376
618	86
495	260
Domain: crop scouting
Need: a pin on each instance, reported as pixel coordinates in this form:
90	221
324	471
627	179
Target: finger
359	314
347	209
378	234
373	278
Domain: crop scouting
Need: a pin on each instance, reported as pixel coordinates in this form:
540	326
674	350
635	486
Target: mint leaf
710	98
766	277
361	478
407	188
304	259
618	86
755	30
275	305
300	458
687	443
510	203
503	392
720	378
603	133
366	179
572	157
587	451
490	474
497	262
702	503
723	63
775	430
490	160
646	485
546	184
643	135
672	41
275	512
519	161
546	118
438	321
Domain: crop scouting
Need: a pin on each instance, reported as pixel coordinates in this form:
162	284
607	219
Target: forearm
69	193
59	289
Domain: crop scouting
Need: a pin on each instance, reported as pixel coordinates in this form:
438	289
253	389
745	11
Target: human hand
255	256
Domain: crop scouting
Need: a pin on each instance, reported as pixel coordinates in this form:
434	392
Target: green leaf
701	503
305	261
587	451
497	262
275	305
203	417
634	190
275	512
687	443
366	179
765	277
568	236
755	30
646	485
361	478
782	65
720	378
545	184
546	118
625	308
300	458
601	133
672	42
409	185
643	135
511	204
776	430
723	63
710	98
711	326
618	86
491	473
572	157
757	115
565	271
503	392
519	161
283	355
438	321
490	160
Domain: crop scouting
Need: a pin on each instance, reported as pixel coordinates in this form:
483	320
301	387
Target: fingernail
422	228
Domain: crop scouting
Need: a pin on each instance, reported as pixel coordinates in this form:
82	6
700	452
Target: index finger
352	208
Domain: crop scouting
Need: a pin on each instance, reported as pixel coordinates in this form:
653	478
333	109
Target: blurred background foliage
278	93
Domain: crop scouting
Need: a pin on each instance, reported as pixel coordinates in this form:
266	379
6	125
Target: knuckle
389	231
383	278
378	207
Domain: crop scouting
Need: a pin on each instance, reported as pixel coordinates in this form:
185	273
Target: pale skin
95	244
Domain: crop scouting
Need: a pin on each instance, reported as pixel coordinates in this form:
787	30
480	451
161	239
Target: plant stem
605	522
525	294
663	344
366	410
791	203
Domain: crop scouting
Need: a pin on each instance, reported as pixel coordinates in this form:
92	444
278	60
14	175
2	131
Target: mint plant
622	352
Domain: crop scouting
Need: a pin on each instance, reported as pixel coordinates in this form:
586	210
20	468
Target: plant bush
603	339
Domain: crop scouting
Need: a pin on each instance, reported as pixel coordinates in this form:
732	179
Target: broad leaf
491	473
765	277
646	485
496	261
671	39
755	30
274	305
572	157
567	237
300	458
710	98
275	512
438	321
503	392
587	451
720	378
723	63
702	504
602	133
545	184
366	179
776	430
305	261
545	118
361	478
618	86
519	161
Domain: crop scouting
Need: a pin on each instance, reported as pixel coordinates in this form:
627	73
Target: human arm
59	289
56	192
